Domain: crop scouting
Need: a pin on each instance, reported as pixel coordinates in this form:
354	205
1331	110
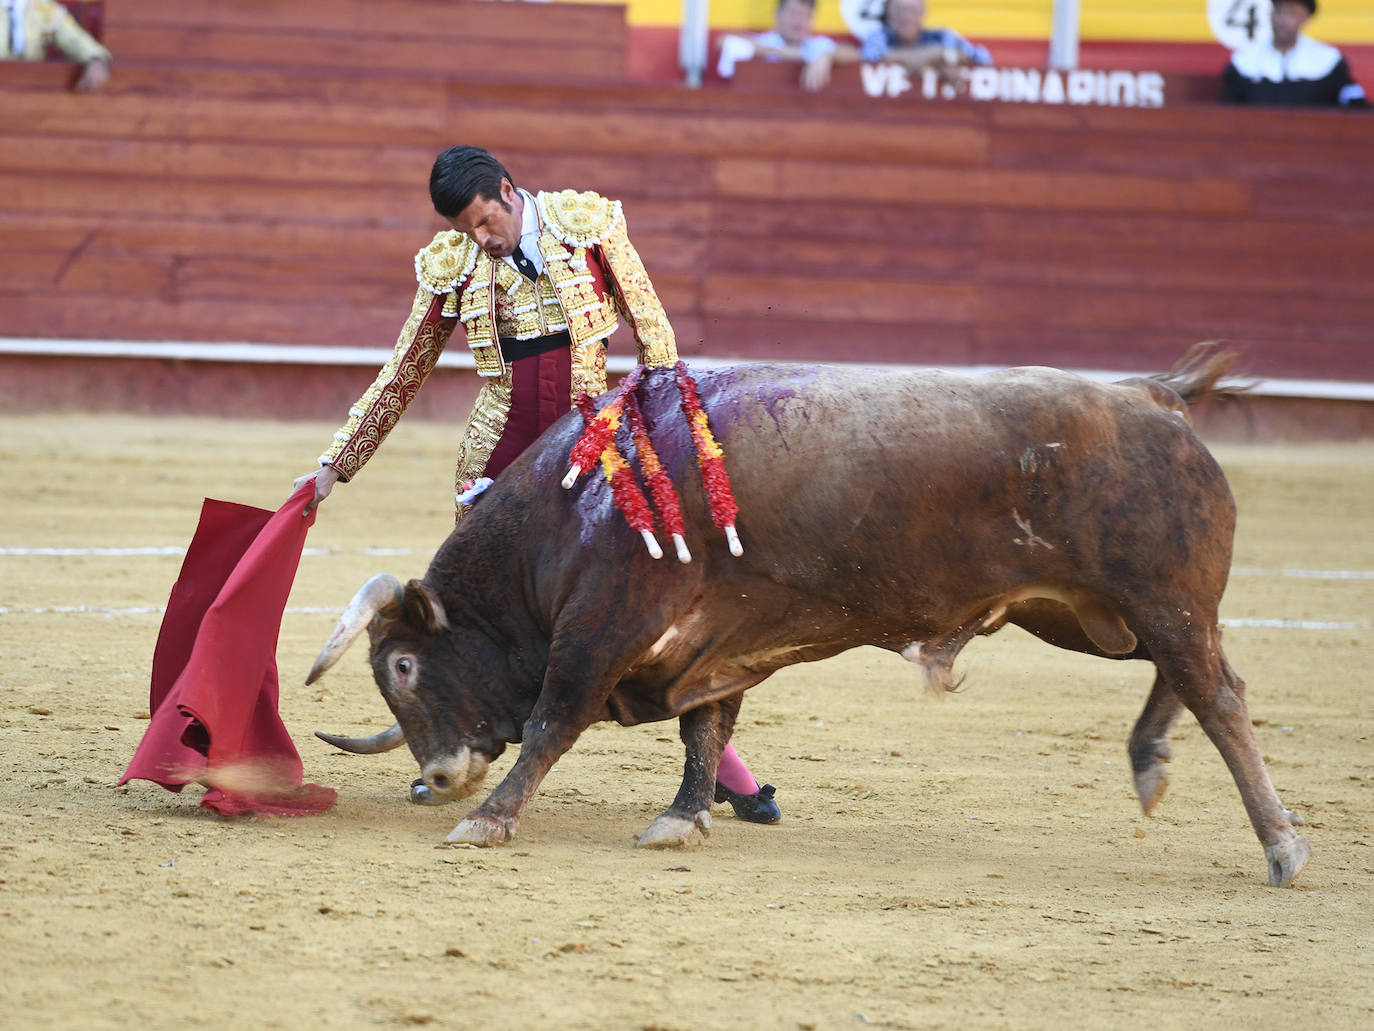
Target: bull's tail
1197	375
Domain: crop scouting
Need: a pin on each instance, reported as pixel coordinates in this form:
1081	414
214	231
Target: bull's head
415	661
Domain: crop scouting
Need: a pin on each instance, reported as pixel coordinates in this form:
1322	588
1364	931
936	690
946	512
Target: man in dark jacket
1291	69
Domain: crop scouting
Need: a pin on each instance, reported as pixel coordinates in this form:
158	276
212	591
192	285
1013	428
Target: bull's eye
403	666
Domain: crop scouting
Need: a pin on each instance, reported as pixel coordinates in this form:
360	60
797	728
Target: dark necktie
524	264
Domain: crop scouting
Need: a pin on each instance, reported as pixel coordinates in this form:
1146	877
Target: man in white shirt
790	39
1291	69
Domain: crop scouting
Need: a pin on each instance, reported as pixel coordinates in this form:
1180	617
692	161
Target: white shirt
1306	60
529	237
734	49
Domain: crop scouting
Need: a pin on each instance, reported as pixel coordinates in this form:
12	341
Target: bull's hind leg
1190	660
1149	745
705	732
1237	685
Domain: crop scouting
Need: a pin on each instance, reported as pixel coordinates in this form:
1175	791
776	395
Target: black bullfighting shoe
756	808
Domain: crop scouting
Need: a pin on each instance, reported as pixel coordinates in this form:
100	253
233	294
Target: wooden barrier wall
276	191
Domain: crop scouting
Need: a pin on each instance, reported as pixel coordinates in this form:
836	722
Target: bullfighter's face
494	222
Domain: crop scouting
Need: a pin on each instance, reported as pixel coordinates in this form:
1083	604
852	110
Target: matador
538	282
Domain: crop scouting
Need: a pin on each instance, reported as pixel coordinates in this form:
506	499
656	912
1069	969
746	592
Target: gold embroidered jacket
47	21
592	277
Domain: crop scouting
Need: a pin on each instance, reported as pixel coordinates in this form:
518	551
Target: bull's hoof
1150	785
1286	860
480	830
672	830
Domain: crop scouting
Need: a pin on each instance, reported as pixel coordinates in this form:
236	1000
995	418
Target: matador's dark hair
461	174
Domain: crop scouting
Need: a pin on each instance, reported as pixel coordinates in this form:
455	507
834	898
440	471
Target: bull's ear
423	608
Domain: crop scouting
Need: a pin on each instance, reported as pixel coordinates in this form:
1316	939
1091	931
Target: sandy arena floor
972	862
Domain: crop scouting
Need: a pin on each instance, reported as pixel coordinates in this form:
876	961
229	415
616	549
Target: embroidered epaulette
578	219
443	266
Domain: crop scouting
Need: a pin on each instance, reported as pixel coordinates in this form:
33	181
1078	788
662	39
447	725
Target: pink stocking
734	775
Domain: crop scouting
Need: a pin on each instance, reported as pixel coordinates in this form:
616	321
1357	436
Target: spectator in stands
28	26
790	39
1291	69
903	39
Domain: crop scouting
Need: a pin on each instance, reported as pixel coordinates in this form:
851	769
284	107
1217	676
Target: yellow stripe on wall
1170	21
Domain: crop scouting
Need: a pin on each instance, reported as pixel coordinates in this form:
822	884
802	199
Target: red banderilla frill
624	489
710	459
601	427
598	444
660	484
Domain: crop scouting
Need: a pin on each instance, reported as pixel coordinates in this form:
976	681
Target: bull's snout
454	776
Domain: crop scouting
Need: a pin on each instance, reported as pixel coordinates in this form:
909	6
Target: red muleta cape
213	697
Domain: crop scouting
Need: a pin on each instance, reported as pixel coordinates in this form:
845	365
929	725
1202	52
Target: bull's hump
885	407
857	386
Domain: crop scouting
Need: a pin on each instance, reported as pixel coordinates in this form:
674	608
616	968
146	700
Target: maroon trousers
541	391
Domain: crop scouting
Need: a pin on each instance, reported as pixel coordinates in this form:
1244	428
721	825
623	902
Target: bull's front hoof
1286	860
480	830
672	830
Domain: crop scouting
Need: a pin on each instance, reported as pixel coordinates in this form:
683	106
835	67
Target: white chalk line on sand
1252	571
177	551
1296	624
315	610
150	610
138	610
1307	574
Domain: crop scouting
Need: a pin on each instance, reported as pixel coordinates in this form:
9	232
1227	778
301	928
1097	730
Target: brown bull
911	511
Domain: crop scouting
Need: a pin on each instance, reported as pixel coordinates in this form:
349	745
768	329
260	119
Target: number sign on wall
1236	23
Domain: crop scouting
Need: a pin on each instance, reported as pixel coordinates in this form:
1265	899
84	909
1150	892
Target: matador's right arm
432	321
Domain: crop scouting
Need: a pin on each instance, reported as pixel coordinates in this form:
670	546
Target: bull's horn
392	737
383	589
